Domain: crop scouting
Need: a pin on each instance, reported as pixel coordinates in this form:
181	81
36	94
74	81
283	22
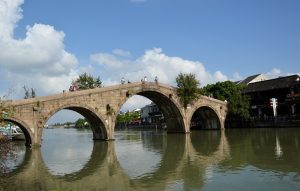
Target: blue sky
244	36
45	44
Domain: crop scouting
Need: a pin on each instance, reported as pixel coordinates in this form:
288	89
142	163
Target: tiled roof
248	79
277	83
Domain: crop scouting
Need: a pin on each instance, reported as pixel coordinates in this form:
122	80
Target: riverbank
271	122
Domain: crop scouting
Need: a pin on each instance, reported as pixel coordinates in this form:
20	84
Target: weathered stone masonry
101	105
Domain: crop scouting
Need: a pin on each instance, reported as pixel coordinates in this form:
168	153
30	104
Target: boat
12	132
17	134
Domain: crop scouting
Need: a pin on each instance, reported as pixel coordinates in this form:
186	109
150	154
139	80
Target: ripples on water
237	159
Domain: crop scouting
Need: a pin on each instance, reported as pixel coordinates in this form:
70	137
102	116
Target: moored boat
12	132
17	134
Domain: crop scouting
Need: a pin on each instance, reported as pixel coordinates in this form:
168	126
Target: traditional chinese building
150	115
286	91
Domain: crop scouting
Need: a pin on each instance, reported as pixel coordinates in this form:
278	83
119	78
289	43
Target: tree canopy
238	103
87	81
127	117
187	88
5	111
82	123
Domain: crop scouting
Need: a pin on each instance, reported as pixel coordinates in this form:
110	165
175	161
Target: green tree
5	111
187	88
127	117
87	81
81	123
238	103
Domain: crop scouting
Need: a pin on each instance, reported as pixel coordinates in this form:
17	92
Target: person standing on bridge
156	79
123	80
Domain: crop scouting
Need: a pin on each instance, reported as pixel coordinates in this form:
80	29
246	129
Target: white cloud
39	60
152	63
135	102
121	52
219	76
275	73
10	14
236	77
108	60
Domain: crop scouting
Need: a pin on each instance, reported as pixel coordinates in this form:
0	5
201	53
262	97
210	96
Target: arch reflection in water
135	157
200	160
13	159
178	158
75	152
181	165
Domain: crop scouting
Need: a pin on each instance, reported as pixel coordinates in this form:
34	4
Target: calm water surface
235	159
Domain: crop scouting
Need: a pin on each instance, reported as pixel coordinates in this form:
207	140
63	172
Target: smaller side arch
205	117
24	127
97	122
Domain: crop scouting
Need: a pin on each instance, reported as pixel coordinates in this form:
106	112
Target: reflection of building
287	92
150	114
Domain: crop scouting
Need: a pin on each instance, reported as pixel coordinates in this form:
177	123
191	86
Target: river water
234	159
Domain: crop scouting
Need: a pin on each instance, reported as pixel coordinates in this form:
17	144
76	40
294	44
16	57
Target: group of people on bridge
143	80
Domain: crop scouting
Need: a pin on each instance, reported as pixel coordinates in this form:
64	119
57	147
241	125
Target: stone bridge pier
100	107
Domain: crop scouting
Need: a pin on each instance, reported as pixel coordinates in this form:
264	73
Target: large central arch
167	106
169	109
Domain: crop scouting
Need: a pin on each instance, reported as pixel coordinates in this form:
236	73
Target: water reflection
66	150
256	147
14	158
206	160
278	149
146	159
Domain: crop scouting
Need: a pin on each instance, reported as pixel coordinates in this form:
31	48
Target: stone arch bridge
101	105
